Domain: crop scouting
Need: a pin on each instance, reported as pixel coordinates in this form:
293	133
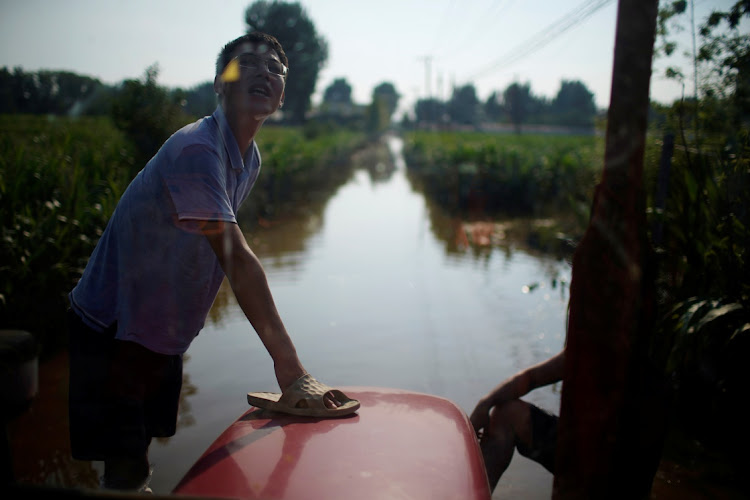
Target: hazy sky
420	46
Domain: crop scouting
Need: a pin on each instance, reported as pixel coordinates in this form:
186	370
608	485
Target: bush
60	180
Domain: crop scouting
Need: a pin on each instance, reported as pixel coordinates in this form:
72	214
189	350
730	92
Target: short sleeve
197	184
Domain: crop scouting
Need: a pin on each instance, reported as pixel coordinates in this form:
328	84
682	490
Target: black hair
255	37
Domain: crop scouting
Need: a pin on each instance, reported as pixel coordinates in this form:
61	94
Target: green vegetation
704	277
473	174
59	182
300	165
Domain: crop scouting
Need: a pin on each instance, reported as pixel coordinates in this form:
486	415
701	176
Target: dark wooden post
609	440
662	186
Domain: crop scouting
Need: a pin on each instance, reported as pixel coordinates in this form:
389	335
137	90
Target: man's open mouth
260	90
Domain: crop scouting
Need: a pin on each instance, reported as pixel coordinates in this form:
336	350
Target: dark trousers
121	394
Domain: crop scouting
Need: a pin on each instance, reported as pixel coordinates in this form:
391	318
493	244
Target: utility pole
427	76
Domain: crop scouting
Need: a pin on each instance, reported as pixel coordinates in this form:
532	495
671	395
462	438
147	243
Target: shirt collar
227	137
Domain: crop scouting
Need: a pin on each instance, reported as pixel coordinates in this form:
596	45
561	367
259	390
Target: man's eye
275	67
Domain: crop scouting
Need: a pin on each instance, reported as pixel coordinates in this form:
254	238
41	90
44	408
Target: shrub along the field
474	173
59	182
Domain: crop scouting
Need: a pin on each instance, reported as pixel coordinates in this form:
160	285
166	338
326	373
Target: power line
468	37
440	33
545	36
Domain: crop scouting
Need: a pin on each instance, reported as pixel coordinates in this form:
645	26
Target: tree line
60	92
67	93
573	106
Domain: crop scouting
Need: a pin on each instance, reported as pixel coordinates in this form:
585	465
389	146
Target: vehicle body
399	444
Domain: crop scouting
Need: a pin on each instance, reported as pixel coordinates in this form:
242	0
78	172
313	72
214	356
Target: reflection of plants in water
299	177
298	170
376	160
221	303
280	244
38	439
544	237
185	417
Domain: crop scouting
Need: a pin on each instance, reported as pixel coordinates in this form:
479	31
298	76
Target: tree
429	111
493	107
200	100
574	105
380	111
721	64
517	99
463	107
306	50
46	92
147	113
727	53
339	92
385	94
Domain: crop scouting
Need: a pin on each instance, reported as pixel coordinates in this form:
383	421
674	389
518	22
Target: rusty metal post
608	445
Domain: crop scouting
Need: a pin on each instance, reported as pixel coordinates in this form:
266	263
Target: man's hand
480	417
286	374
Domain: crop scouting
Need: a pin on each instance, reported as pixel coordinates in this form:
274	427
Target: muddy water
377	288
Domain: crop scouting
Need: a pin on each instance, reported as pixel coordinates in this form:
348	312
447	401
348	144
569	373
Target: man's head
251	75
263	41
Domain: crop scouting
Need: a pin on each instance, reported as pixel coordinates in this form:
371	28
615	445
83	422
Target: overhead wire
544	37
469	37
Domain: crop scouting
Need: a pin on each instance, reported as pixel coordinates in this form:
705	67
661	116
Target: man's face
251	82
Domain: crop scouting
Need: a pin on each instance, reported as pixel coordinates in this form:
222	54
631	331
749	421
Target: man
156	270
503	421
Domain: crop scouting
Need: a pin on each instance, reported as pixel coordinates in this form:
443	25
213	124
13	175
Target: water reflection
285	244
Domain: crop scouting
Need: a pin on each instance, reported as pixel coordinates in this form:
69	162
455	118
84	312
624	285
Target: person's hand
480	417
287	373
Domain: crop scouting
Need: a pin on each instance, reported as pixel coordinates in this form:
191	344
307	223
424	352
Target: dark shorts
544	439
121	394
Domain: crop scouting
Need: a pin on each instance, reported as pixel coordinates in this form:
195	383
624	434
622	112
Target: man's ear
281	101
219	85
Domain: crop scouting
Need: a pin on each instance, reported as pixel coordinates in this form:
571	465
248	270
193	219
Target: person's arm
544	373
250	286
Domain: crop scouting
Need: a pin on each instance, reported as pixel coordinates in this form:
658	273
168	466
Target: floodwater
377	288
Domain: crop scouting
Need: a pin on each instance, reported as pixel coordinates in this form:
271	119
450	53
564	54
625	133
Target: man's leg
147	387
541	445
126	473
132	374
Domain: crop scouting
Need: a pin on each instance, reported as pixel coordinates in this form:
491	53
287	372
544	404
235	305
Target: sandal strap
305	387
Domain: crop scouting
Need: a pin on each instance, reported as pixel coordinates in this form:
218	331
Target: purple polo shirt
153	271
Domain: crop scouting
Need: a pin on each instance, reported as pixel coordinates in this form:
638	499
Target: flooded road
377	288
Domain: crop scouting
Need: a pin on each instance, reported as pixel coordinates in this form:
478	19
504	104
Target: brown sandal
304	397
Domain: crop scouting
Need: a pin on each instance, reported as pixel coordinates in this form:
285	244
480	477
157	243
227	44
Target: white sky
370	42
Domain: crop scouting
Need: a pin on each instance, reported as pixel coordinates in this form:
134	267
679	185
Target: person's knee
509	416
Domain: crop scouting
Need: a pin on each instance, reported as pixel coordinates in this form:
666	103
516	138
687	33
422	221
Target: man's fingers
331	401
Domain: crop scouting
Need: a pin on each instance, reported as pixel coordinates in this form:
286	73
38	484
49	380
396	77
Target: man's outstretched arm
250	286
